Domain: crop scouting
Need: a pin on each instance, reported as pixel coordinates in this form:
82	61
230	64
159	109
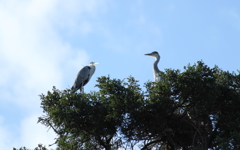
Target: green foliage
85	121
39	147
194	109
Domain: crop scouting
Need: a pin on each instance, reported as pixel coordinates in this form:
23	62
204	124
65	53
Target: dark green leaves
196	108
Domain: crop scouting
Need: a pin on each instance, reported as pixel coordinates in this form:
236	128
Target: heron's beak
150	54
95	63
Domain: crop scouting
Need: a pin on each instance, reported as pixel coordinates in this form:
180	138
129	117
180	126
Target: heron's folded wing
82	77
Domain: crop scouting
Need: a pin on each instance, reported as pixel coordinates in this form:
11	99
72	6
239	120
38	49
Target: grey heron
156	71
83	76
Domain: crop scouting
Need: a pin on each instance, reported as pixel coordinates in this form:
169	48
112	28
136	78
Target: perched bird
156	71
83	76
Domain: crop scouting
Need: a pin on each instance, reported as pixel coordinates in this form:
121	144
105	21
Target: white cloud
34	57
33	134
32	51
4	136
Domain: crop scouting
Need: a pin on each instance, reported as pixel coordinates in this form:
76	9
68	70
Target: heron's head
93	63
153	54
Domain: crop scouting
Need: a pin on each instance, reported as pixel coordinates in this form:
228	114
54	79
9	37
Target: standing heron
83	76
156	71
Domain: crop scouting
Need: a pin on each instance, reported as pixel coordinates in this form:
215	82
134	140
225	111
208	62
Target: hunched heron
83	76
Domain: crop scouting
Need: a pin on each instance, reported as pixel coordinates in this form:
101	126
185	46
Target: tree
194	109
39	147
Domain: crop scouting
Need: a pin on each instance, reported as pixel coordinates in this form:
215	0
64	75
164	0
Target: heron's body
83	76
156	71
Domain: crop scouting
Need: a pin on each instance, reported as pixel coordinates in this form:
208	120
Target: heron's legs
82	90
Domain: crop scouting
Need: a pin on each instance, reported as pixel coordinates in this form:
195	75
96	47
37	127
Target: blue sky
44	43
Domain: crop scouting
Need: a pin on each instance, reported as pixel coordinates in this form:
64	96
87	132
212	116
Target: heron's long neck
92	70
155	67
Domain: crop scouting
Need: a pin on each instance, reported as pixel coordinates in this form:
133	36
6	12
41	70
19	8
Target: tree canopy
198	108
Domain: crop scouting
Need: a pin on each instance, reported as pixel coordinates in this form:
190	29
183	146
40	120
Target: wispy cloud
34	56
32	133
4	136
